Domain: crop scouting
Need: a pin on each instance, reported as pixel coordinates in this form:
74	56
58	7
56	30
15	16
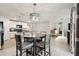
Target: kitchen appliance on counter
19	28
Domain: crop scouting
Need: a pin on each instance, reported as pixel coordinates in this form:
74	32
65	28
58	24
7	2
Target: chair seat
26	45
40	44
39	40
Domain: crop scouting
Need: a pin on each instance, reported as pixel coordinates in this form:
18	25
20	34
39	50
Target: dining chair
22	47
41	46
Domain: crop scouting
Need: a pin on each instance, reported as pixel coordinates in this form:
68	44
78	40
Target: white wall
10	24
6	23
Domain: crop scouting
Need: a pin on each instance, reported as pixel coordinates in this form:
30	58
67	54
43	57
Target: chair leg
20	52
41	52
16	52
31	51
34	50
44	53
49	52
26	52
37	51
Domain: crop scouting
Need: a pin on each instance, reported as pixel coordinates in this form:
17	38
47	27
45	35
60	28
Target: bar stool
41	46
22	47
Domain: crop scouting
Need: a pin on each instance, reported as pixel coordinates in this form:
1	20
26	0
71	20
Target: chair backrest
18	41
43	38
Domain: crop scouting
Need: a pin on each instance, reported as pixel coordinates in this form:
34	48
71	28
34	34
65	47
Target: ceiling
13	10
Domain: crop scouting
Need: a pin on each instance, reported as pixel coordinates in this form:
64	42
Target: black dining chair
41	46
22	47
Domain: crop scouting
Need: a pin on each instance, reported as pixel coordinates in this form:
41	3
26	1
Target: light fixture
34	16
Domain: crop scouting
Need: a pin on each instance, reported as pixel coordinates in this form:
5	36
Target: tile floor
59	47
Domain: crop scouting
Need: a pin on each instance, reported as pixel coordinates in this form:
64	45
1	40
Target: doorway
1	35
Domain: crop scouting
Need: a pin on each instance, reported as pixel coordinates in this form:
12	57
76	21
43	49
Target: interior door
0	31
1	35
72	29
